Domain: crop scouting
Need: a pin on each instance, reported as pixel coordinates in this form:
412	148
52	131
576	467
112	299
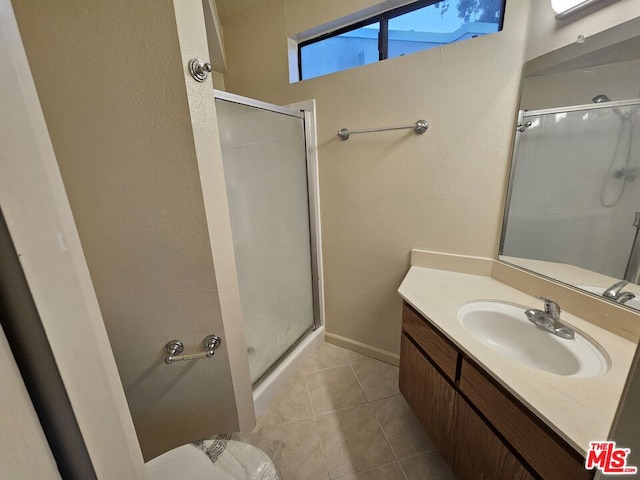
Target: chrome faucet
615	292
549	319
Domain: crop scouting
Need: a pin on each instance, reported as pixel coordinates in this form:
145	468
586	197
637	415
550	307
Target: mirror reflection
573	207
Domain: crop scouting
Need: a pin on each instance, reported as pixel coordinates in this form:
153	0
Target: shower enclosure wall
576	176
270	175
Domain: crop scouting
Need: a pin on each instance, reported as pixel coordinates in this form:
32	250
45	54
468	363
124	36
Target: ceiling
229	9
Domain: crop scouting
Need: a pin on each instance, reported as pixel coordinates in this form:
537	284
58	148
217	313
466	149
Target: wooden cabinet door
542	449
477	453
430	396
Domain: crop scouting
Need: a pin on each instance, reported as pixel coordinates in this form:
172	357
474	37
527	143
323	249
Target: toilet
190	463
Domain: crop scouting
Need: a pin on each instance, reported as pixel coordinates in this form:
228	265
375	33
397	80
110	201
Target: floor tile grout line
393	452
344	356
384	434
338	410
384	395
313	410
404	474
324	368
367	401
324	458
415	454
403	457
279	398
365	471
375	414
360	384
315	424
286	422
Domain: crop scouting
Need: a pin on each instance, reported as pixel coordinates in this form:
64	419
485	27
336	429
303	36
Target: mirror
573	205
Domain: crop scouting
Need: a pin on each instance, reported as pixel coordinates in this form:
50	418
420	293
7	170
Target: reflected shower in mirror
573	207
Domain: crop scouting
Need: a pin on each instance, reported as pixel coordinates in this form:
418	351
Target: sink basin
633	303
504	328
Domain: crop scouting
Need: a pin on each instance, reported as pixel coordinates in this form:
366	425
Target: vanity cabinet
429	394
479	452
481	429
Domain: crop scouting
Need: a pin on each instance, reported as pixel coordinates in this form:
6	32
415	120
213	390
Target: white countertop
578	409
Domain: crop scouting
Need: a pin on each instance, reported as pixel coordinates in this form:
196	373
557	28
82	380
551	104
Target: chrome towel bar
420	126
175	347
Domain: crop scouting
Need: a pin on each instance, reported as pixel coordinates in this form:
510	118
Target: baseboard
363	348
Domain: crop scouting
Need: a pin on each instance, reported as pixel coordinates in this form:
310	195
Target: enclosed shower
575	175
270	175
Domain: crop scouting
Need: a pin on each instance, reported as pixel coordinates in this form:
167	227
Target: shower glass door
265	168
575	177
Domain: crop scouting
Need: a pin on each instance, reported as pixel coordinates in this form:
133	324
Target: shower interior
596	143
270	168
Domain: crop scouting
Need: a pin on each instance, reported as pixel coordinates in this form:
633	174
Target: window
418	26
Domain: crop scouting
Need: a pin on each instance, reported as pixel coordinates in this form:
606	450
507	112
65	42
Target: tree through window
418	26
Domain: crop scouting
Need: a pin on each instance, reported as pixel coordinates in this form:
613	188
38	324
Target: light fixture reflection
561	6
560	116
564	8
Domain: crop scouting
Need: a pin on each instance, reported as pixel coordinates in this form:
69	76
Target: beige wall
626	427
132	134
37	214
546	34
383	194
620	81
386	193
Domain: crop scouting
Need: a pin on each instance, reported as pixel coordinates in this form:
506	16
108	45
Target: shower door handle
175	347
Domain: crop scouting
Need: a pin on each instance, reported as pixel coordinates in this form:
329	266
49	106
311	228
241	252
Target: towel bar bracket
175	347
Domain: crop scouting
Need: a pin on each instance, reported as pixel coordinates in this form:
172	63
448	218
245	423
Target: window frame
383	35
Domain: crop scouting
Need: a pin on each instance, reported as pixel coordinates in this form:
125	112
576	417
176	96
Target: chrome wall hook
199	70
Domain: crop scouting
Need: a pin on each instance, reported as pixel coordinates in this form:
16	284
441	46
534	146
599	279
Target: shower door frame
306	113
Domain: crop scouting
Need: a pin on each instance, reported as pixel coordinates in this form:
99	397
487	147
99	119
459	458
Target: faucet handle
550	307
614	290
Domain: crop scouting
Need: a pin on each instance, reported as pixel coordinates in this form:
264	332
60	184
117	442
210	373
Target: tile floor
342	417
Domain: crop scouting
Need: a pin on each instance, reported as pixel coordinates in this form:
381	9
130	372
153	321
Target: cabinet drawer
443	353
430	396
545	452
